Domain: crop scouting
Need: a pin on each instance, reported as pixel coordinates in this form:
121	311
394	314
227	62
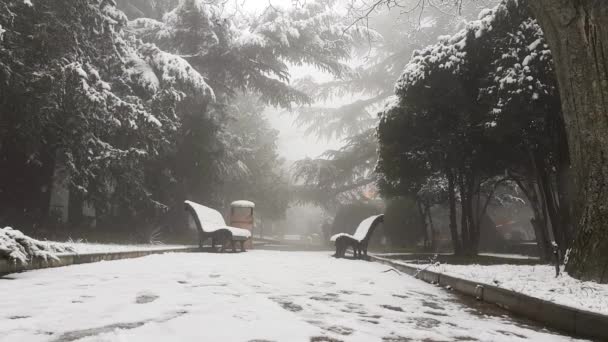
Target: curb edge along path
8	267
571	320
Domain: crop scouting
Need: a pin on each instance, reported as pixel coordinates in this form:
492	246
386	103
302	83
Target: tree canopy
138	115
498	118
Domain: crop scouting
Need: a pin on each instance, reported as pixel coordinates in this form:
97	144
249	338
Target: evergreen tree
343	174
498	111
79	92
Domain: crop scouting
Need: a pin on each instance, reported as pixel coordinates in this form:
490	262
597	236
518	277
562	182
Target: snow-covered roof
242	204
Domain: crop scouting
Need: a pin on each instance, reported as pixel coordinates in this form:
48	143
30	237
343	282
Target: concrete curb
8	267
571	320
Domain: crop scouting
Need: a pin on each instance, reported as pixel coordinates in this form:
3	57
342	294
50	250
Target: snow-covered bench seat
210	224
359	240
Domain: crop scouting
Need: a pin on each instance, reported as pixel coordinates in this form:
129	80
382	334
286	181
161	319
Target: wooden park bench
359	240
210	224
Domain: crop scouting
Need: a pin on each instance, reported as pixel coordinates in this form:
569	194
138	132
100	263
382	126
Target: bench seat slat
237	233
333	238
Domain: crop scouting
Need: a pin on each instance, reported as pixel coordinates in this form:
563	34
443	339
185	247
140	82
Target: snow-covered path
253	296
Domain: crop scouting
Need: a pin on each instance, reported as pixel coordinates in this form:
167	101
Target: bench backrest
367	227
205	217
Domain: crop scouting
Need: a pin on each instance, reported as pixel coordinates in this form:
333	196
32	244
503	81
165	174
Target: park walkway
253	296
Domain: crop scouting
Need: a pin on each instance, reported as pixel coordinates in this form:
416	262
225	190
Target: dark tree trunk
75	204
431	227
423	217
452	201
472	212
577	34
563	182
469	227
464	222
538	221
464	227
548	195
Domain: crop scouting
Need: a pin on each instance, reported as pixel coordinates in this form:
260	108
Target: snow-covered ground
258	295
537	281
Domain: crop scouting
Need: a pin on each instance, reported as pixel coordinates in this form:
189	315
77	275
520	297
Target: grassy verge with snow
533	280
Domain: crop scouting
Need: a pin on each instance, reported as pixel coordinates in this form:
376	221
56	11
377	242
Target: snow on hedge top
449	52
18	247
361	231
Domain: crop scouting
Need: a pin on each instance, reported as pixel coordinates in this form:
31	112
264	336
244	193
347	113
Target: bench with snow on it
210	224
359	240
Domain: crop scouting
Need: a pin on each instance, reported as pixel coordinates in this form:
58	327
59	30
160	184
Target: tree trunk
464	223
538	221
431	228
423	216
472	212
577	34
548	195
564	181
452	202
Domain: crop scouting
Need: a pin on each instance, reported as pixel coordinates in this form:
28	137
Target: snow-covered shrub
20	248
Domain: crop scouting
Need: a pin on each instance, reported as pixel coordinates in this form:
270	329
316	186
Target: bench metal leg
242	246
233	246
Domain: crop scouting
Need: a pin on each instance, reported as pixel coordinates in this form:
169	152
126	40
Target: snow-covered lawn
258	295
496	255
537	281
510	256
84	248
